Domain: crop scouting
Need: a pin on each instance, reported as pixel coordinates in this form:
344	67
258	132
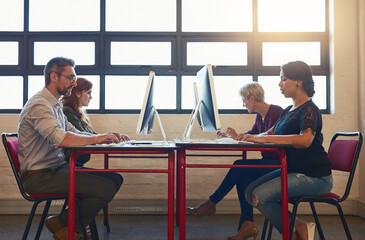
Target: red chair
344	153
11	147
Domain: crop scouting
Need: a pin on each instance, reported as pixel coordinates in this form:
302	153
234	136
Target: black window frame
178	65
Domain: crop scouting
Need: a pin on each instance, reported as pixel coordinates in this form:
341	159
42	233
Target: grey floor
143	227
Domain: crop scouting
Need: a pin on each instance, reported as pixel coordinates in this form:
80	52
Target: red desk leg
177	205
284	194
182	197
71	196
170	197
106	215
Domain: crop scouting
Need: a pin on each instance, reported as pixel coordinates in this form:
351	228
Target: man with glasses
43	131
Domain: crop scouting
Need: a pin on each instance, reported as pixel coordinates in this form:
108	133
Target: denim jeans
267	189
241	177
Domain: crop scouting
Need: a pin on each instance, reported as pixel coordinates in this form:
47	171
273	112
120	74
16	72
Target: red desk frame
182	165
133	150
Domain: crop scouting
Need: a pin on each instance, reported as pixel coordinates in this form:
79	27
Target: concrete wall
347	91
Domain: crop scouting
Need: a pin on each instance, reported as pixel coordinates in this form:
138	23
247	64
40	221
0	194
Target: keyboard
218	140
139	143
146	143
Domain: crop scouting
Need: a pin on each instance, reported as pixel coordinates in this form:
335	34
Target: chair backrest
11	148
344	155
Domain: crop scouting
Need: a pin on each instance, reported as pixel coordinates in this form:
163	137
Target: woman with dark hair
253	98
77	116
309	168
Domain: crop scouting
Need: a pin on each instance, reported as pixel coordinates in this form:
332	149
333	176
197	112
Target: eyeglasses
72	78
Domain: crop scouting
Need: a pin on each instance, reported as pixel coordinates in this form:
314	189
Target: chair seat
329	195
47	195
54	195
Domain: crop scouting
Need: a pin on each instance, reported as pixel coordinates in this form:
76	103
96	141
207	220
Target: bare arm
75	140
302	140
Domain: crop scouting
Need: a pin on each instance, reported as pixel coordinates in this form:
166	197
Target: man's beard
65	93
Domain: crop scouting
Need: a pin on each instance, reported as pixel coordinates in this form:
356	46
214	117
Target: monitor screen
206	92
146	116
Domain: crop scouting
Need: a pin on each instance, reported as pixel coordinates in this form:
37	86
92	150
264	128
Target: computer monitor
206	110
148	110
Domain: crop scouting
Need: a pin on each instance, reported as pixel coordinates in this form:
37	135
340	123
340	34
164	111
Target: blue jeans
242	177
267	189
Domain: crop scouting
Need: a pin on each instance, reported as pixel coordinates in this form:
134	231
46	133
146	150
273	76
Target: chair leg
64	205
264	229
94	230
43	218
318	224
270	232
106	218
292	219
81	217
344	223
30	219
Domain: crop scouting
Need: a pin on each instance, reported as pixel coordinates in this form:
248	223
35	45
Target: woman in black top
309	168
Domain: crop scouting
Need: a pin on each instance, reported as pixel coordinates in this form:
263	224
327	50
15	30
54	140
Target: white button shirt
42	127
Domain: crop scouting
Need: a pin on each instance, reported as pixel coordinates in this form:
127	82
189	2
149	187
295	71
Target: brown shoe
245	233
205	209
53	224
62	234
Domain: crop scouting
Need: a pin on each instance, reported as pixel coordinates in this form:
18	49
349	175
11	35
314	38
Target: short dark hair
56	64
299	70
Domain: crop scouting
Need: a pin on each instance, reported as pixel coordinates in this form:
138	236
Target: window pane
35	84
127	92
217	53
274	96
320	96
95	101
9	53
278	53
65	15
11	96
140	53
187	92
291	16
140	15
226	91
82	52
217	16
11	15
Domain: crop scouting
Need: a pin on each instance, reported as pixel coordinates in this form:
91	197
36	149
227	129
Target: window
68	15
13	92
216	16
12	15
217	53
115	43
9	53
127	92
82	52
140	53
140	15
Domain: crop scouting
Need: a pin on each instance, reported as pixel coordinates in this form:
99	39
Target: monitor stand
161	127
189	126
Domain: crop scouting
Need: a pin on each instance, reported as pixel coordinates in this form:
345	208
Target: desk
182	165
146	151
